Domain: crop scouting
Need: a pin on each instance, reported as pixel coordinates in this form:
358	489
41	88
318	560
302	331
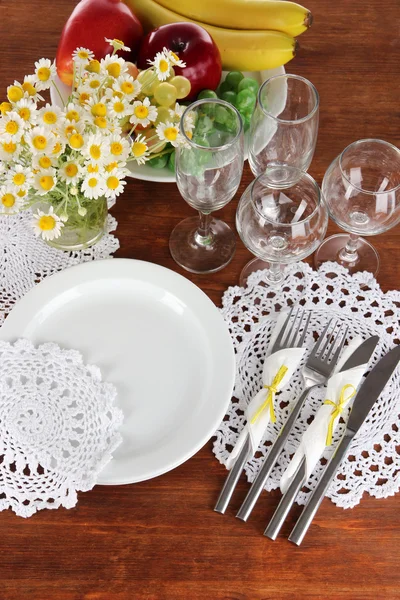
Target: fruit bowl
147	173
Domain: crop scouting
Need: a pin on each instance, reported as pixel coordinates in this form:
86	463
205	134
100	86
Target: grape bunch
238	90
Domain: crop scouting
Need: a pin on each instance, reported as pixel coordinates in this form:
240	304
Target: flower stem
58	92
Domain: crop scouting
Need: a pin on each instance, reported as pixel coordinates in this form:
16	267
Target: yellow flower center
71	170
28	87
5	107
114	69
99	110
21	193
118	42
175	56
92	182
57	148
8	200
93	168
171	133
93	66
116	148
47	223
73	115
138	149
76	141
44	73
127	87
19	179
84	54
111	166
112	182
9	147
24	113
40	142
46	182
50	117
12	127
119	107
94	84
163	66
141	111
15	93
101	122
95	151
44	162
189	134
83	97
69	130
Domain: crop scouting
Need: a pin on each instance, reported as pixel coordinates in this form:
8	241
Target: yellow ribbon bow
337	411
272	390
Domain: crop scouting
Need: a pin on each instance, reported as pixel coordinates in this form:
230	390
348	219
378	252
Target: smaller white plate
147	173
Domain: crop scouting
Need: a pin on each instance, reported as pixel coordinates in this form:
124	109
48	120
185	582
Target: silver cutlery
317	370
292	335
366	397
359	357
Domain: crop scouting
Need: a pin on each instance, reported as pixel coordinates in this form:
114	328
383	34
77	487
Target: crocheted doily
58	426
25	260
373	462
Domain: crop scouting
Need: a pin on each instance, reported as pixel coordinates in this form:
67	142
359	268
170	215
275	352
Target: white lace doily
373	463
58	426
25	260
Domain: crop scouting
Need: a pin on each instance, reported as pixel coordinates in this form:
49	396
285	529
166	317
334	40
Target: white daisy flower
162	65
40	140
81	56
48	225
43	161
44	181
128	86
113	66
15	92
96	148
93	186
82	96
92	167
140	149
58	148
174	58
49	116
113	165
10	202
9	150
143	113
91	83
119	108
70	171
45	71
31	89
169	132
72	112
26	109
97	107
118	45
76	141
177	111
19	178
12	127
114	183
118	147
67	128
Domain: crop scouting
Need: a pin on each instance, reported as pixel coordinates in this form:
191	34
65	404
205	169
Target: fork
290	336
317	370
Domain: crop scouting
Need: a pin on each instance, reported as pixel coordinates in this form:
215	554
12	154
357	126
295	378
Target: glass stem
203	233
349	253
275	272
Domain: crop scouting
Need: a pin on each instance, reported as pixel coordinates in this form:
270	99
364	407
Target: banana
279	15
241	50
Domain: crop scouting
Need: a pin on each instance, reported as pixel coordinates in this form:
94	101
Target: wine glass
362	191
209	168
284	125
280	222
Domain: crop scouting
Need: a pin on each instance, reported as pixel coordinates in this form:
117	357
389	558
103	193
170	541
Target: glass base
71	240
202	255
330	250
276	275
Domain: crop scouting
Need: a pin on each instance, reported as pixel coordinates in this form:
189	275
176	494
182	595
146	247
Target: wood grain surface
161	540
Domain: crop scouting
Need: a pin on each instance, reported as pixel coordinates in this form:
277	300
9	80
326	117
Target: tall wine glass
208	172
362	191
284	125
280	222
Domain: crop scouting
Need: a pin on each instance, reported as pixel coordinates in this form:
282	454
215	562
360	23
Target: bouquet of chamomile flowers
67	160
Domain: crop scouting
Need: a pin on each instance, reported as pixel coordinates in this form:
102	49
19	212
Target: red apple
194	45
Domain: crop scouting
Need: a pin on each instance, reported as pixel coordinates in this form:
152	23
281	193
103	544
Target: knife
360	356
369	392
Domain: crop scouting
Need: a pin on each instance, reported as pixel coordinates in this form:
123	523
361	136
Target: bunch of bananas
251	35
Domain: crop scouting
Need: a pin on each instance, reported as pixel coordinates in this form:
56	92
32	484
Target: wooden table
161	539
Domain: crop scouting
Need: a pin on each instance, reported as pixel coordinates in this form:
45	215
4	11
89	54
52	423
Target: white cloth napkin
314	439
289	358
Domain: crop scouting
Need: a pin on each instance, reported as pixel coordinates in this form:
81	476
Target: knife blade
369	392
360	356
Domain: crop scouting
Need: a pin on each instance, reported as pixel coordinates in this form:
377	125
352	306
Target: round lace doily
58	426
373	462
25	260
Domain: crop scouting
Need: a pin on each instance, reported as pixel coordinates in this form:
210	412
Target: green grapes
165	94
233	80
247	83
182	85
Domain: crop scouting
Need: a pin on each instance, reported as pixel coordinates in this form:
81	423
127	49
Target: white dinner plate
147	173
157	337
